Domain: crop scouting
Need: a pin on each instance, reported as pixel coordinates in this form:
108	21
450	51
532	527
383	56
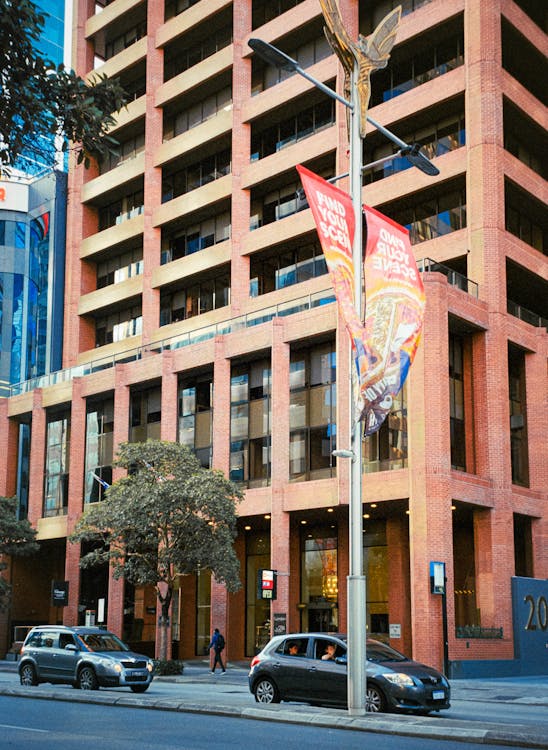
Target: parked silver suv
83	657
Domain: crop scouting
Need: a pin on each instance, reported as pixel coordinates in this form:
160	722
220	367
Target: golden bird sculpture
367	54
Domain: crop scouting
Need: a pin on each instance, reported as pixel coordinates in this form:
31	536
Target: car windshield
378	652
103	642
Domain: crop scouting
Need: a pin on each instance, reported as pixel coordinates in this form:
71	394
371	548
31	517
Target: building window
523	546
195	410
464	567
265	76
174	7
121	210
120	268
436	216
319	580
386	449
250	423
23	467
178	122
274	138
456	402
57	465
177	59
127	149
203	611
375	570
518	416
257	555
145	414
266	10
99	449
196	175
197	299
286	268
125	40
118	326
407	72
192	239
312	413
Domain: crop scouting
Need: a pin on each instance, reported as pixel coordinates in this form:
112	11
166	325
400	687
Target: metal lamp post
356	588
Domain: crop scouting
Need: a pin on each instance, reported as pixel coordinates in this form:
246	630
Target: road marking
23	729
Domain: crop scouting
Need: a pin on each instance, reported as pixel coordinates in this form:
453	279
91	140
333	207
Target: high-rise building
198	310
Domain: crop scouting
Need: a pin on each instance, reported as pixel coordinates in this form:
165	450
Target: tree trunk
165	602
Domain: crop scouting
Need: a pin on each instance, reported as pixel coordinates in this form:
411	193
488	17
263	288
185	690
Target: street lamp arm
279	59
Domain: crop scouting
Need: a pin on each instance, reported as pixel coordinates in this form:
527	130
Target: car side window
49	640
36	640
293	647
327	650
66	639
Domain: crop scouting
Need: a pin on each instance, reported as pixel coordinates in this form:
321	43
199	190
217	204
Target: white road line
23	729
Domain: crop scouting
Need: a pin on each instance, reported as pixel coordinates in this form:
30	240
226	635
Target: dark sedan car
311	667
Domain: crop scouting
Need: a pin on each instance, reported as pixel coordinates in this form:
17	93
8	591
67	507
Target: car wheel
266	691
87	679
28	676
138	688
374	702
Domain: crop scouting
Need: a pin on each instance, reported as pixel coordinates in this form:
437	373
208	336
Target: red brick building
198	309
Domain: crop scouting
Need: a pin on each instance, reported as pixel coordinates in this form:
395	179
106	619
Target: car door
65	659
45	654
327	679
290	671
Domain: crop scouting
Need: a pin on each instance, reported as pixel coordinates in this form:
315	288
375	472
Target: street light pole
356	589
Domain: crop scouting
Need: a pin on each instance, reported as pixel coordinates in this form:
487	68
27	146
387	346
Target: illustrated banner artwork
384	345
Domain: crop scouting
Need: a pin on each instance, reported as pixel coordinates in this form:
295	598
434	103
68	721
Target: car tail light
254	661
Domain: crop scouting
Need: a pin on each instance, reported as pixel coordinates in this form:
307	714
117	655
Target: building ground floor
456	475
311	560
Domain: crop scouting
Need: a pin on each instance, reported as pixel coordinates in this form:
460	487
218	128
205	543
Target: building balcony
185	21
117	235
195	76
126	171
110	296
200	198
112	12
190	265
123	60
211	129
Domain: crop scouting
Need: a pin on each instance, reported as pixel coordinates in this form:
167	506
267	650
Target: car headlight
398	678
117	668
150	666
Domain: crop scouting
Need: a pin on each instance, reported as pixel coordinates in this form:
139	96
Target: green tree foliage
168	517
38	101
16	539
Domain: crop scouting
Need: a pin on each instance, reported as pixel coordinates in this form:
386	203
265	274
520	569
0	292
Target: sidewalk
194	689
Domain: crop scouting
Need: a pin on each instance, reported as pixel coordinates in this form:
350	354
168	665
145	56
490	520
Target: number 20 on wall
538	612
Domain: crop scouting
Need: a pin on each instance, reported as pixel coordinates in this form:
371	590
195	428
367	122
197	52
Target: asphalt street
197	691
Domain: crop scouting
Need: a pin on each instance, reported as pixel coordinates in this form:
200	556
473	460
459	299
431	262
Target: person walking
217	644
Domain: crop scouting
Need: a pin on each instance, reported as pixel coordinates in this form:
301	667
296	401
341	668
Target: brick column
241	149
115	610
76	500
280	533
221	408
168	427
152	236
429	472
37	458
9	436
399	608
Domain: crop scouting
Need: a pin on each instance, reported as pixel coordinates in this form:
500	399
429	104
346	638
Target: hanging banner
394	313
384	345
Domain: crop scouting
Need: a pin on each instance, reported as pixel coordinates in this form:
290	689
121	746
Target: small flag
102	482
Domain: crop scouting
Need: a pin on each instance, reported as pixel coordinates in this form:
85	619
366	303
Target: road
28	723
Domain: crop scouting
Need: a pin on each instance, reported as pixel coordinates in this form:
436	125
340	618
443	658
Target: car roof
79	629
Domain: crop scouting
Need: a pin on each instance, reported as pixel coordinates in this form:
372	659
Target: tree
168	517
38	101
16	539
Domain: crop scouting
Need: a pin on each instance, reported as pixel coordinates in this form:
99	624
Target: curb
409	726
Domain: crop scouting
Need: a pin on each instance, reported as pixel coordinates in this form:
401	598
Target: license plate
438	695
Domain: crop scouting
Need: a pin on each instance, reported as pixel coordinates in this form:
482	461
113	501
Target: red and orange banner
385	344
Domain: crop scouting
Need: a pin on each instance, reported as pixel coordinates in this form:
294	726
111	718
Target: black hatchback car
311	667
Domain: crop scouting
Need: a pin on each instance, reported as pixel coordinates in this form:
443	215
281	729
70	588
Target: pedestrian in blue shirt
217	644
